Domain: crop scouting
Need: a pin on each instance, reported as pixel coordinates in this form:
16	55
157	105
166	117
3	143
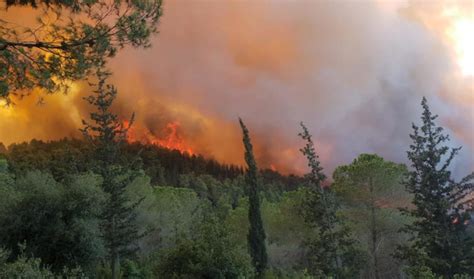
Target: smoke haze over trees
284	54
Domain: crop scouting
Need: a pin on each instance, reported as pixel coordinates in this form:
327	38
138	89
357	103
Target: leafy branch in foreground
69	40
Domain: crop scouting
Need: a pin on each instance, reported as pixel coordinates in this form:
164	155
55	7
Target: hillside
164	166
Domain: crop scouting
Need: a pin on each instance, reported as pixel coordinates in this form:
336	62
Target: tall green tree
373	191
438	234
331	251
107	133
256	236
70	39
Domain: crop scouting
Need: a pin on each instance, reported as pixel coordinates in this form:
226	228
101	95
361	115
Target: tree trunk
115	266
374	244
373	231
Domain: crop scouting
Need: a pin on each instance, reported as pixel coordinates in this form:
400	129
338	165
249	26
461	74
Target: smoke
354	72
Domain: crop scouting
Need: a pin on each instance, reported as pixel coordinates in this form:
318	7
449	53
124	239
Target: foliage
210	253
371	181
278	274
72	156
423	272
23	267
256	236
59	223
32	268
285	230
3	150
120	232
61	158
164	167
171	214
331	250
206	187
438	235
70	39
372	189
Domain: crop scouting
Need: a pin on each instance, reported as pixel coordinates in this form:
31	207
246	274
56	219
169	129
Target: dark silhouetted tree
331	251
256	236
438	233
106	134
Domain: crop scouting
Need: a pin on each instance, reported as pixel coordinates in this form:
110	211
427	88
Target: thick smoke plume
354	72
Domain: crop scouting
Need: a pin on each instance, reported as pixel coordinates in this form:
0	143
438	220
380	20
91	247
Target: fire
172	140
272	167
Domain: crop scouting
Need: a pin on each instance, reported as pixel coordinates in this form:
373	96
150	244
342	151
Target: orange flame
172	140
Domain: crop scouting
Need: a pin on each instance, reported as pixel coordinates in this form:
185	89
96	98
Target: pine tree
256	236
331	251
438	234
106	134
372	189
51	53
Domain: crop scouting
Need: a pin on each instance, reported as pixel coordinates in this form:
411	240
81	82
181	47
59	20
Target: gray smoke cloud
354	72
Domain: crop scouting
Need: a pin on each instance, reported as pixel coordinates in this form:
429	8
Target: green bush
210	253
32	268
57	221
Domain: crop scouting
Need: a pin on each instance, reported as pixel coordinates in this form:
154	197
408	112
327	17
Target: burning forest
276	66
236	139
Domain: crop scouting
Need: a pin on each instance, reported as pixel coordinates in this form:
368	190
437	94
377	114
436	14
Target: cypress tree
106	134
438	240
331	251
256	236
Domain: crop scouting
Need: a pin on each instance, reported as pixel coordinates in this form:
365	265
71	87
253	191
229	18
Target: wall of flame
354	72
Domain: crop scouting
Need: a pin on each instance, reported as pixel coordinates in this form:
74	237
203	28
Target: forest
102	206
